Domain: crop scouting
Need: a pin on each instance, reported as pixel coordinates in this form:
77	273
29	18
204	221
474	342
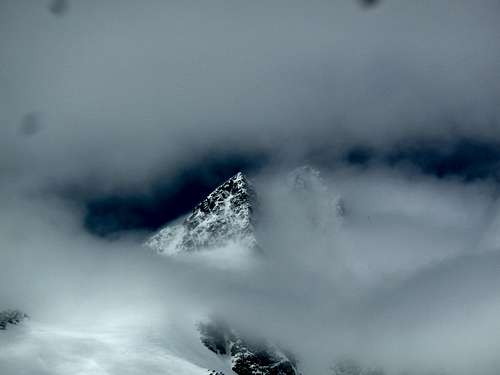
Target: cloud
128	93
396	283
58	7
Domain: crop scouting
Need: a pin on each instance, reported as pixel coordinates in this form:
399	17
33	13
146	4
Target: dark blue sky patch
465	159
111	214
359	155
108	215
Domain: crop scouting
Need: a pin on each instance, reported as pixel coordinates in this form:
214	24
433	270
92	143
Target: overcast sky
117	117
121	93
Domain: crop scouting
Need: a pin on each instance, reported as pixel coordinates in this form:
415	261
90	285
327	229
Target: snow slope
126	348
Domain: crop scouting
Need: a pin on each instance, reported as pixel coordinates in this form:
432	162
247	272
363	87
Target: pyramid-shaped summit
224	216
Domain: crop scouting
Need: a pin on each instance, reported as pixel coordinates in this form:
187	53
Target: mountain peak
225	215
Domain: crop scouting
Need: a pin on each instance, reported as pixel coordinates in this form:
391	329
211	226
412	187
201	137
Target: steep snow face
224	216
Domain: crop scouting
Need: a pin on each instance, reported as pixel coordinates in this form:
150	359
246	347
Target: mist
118	118
396	283
135	91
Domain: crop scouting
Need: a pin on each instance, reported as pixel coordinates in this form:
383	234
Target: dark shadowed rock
225	215
13	317
216	336
248	356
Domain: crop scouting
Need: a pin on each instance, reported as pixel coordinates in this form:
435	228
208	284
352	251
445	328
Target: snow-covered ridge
224	216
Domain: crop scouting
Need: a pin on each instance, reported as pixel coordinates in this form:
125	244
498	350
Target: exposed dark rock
224	215
251	358
216	336
248	356
11	317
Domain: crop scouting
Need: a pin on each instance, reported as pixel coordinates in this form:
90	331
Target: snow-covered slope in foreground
36	348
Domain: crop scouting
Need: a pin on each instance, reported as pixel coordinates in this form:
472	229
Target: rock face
248	357
225	215
11	317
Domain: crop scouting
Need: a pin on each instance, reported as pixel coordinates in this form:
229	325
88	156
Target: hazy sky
130	98
118	116
123	92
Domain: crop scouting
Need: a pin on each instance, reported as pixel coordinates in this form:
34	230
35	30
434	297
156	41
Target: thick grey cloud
127	91
396	283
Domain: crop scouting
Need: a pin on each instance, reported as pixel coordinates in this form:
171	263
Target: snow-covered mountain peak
224	216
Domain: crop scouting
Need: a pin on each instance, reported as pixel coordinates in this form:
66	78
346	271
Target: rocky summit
224	216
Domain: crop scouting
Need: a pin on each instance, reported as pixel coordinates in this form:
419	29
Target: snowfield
38	348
